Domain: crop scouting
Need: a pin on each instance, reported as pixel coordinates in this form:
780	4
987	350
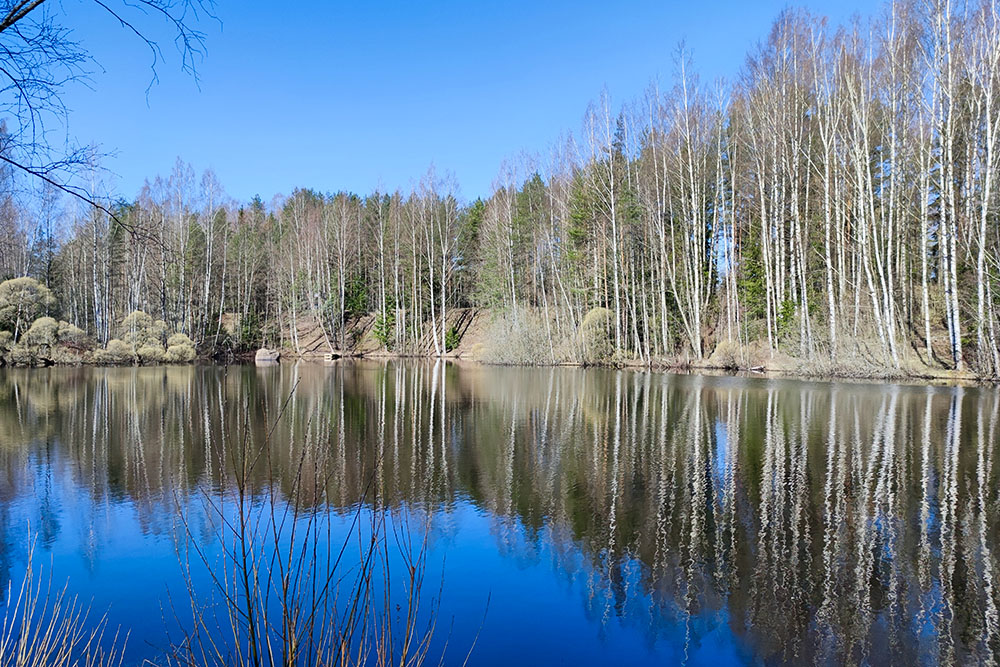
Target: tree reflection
821	523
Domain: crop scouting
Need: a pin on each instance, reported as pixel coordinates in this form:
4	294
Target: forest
835	204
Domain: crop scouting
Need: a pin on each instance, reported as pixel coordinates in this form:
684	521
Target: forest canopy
835	203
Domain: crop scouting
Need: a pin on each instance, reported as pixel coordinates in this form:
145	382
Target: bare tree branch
79	193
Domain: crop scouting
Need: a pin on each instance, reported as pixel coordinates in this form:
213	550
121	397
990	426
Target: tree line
836	202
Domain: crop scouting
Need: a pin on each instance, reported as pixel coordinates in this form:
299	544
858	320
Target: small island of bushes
30	336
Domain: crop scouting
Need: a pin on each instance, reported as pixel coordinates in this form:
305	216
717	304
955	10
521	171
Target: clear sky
358	95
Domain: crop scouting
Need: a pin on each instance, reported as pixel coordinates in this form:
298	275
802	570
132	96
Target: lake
567	516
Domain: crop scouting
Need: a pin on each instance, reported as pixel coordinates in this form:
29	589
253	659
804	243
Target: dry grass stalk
43	627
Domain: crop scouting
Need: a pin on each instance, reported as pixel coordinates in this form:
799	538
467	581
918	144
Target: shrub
596	336
728	355
37	343
151	353
6	341
142	342
61	354
116	352
177	354
73	336
22	300
139	329
518	336
43	331
42	625
21	355
179	339
136	321
180	349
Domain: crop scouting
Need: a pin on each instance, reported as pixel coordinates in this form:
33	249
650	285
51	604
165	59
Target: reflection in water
792	521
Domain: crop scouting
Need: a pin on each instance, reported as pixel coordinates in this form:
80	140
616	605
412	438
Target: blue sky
354	96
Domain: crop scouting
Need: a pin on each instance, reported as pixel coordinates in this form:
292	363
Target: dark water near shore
606	517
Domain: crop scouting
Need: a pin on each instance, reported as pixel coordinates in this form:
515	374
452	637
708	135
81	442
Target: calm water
593	516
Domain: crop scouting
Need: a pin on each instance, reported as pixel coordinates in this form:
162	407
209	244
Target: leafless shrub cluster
520	336
293	583
44	627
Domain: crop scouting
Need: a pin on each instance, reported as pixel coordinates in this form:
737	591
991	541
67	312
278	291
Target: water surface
576	516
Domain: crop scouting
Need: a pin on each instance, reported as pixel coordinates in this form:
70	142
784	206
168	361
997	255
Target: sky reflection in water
606	516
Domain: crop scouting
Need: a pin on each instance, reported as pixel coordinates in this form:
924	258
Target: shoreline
480	337
845	373
924	377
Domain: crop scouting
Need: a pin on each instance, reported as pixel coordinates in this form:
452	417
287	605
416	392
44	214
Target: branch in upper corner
77	192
